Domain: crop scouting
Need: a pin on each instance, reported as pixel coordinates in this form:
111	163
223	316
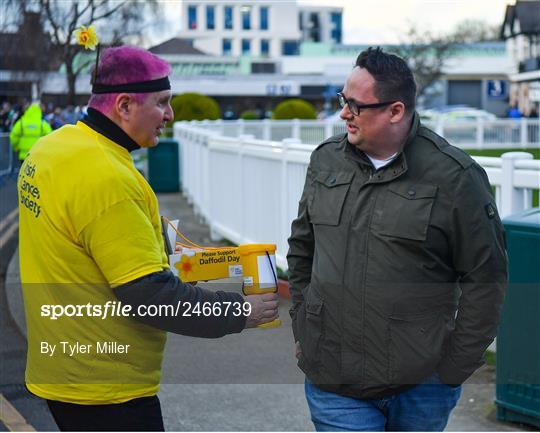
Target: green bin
518	341
163	166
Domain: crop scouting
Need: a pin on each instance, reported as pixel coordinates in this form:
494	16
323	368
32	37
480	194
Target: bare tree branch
118	19
82	67
46	6
110	12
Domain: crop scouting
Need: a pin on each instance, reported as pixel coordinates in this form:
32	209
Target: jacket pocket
330	190
310	329
415	346
406	211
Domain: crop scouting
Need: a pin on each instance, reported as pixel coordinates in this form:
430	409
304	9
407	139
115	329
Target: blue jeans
426	407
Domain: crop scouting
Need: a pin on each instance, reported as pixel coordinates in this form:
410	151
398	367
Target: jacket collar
395	168
105	126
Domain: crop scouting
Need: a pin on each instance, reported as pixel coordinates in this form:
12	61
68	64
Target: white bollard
513	199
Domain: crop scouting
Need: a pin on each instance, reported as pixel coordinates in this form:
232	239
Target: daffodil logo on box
185	266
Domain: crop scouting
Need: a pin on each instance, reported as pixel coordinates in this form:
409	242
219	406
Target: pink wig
125	64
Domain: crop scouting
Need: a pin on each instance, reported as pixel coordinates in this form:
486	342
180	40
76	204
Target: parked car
456	112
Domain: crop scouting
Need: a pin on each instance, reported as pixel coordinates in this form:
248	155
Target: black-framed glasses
355	108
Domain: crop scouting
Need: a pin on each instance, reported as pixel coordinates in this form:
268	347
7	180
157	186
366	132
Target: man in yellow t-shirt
93	259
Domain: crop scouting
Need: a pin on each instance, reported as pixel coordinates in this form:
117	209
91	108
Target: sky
386	21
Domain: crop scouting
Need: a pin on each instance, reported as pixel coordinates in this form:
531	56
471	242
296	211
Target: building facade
257	28
250	55
521	30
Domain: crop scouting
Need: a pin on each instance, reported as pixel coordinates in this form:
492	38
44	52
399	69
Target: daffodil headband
87	37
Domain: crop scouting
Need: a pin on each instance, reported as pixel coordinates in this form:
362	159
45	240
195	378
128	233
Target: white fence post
243	205
523	132
285	223
266	130
328	129
241	125
480	133
296	129
513	199
218	130
439	127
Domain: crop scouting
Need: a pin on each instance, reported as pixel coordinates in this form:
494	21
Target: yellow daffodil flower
87	36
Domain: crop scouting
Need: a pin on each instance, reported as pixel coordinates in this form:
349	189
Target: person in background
28	129
56	118
514	112
5	117
69	115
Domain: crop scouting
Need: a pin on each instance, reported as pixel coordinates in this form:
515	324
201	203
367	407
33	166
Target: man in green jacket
28	129
397	263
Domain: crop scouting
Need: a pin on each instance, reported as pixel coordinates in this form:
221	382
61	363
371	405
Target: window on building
192	17
336	33
263	17
263	68
226	47
290	48
210	17
265	47
246	17
314	27
228	17
246	46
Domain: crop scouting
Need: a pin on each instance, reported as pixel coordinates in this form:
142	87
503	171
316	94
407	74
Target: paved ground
247	381
12	342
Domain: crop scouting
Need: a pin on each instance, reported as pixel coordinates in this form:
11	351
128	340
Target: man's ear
123	105
397	112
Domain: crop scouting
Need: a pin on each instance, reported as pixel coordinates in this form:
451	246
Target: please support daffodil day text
208	257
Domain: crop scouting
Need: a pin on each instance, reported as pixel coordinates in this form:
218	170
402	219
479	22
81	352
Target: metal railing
7	156
248	188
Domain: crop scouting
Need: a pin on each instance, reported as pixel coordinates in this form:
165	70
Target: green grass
491	358
499	152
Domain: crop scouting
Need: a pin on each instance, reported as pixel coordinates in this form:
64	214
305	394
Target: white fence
468	134
248	189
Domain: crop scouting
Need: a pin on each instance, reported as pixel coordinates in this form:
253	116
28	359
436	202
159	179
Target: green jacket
27	130
379	262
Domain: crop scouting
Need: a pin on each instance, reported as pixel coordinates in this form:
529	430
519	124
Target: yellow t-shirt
88	222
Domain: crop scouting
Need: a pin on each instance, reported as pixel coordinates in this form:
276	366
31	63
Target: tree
294	109
116	21
470	31
427	53
22	52
194	106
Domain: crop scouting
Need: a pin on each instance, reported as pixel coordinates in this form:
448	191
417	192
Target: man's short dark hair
394	79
